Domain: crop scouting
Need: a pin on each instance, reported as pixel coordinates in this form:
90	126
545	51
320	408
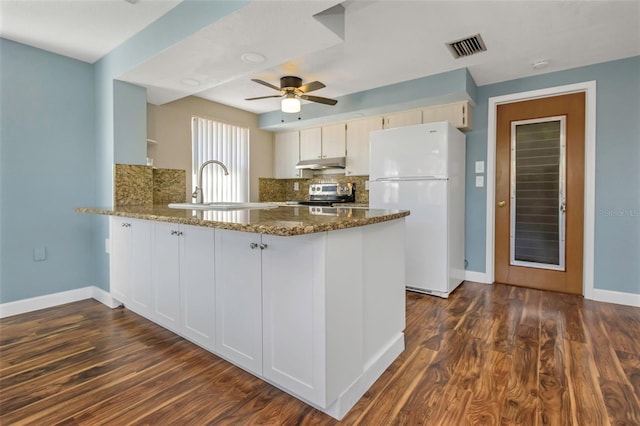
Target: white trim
589	88
371	372
477	277
50	300
617	297
104	297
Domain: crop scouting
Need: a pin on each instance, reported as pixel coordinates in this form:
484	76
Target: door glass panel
538	193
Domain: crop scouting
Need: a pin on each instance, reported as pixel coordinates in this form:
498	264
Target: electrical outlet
296	186
479	181
39	254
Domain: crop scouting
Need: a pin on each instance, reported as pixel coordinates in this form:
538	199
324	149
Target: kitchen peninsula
308	299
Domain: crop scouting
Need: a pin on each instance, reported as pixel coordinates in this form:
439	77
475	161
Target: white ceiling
81	29
385	42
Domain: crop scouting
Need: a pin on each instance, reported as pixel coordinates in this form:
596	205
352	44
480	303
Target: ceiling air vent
467	46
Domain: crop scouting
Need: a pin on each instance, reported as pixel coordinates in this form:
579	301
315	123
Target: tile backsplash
283	189
144	185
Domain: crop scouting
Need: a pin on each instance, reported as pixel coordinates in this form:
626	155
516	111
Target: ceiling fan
293	90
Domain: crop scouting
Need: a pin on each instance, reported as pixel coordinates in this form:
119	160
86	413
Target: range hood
322	164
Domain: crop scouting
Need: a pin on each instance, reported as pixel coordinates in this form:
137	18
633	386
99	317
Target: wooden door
540	193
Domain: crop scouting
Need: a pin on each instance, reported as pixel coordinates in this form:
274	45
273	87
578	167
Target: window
229	144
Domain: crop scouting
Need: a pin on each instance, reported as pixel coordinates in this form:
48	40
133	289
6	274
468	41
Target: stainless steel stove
330	194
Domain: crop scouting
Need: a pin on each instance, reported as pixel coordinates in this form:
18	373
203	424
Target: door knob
502	203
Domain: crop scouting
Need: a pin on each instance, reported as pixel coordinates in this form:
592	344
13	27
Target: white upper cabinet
323	142
351	139
334	140
287	153
458	113
403	118
358	145
311	143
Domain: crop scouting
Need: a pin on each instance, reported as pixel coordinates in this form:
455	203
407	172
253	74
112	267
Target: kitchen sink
222	206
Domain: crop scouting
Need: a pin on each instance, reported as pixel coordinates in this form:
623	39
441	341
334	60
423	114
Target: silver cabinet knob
253	245
263	246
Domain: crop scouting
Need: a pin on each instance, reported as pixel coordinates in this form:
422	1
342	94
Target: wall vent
467	46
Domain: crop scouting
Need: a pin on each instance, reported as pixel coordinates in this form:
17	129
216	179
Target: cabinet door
311	143
141	285
197	284
293	314
119	258
287	150
238	294
404	118
358	144
166	275
458	113
333	140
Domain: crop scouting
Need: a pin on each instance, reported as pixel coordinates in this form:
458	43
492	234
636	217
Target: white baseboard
104	297
477	277
371	373
50	300
616	297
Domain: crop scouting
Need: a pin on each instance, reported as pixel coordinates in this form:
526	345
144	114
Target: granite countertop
282	220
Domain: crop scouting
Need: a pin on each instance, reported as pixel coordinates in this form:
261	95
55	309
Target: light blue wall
114	134
436	89
85	121
617	194
46	145
130	113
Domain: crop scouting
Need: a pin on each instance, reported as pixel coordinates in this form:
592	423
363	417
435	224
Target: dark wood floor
487	355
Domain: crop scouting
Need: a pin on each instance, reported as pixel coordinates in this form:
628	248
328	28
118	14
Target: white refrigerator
421	168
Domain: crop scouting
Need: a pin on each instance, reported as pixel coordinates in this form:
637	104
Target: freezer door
406	152
426	247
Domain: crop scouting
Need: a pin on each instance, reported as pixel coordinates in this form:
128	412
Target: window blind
213	140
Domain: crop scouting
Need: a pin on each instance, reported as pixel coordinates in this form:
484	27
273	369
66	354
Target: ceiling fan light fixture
290	104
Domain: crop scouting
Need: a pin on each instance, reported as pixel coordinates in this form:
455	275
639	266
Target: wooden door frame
589	89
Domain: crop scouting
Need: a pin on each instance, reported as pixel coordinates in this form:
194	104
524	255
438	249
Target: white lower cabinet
293	314
197	285
183	277
319	315
166	275
130	263
270	308
239	298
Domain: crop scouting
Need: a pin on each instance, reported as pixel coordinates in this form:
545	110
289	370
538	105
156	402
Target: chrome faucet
197	194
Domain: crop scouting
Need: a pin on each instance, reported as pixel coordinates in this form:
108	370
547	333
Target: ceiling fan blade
310	87
318	99
263	97
264	83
